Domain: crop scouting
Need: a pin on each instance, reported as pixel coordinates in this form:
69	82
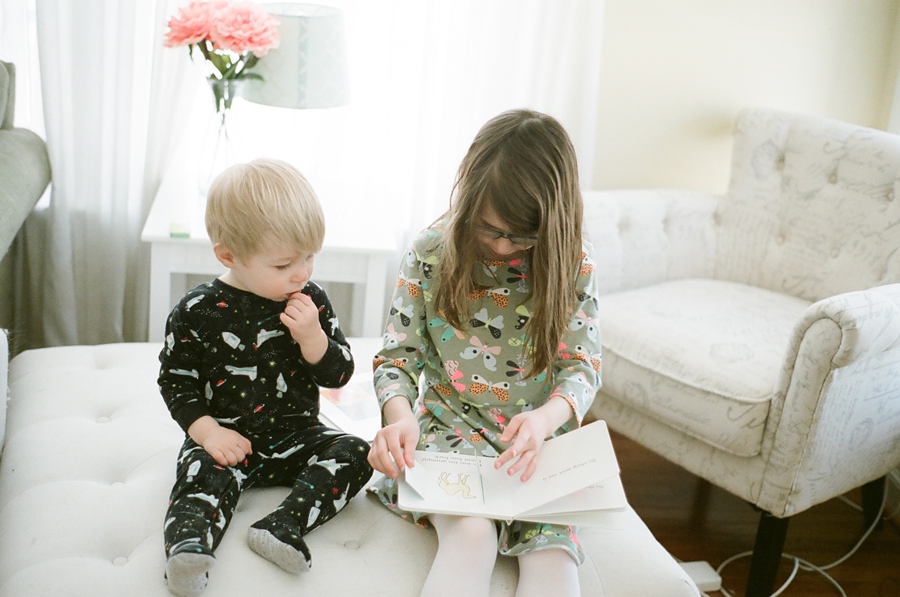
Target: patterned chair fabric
754	338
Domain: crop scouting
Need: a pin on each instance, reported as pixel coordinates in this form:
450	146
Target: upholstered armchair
754	338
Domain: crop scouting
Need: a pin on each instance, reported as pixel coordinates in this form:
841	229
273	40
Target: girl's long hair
521	163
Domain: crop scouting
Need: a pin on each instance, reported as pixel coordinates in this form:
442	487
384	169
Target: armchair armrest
834	419
869	321
644	237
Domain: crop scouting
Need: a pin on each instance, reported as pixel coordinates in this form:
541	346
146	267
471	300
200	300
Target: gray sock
278	552
186	573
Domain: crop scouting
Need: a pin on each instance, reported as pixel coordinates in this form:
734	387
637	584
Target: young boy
243	360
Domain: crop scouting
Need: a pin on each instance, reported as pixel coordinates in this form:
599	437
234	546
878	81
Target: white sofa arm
643	237
840	385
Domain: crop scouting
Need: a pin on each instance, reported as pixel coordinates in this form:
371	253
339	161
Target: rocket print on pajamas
248	371
232	340
193	470
330	465
266	335
342	499
313	514
189	373
211	499
284	454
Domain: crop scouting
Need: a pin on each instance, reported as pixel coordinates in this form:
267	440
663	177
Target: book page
607	494
448	480
565	464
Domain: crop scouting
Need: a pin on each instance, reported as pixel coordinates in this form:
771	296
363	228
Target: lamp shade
309	67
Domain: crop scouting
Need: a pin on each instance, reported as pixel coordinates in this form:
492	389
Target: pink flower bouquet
231	35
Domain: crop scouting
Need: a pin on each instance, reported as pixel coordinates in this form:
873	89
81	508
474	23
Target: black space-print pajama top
227	355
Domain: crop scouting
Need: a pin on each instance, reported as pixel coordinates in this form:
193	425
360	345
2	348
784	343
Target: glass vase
219	149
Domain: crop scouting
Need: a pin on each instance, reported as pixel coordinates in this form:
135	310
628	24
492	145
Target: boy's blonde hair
523	165
266	200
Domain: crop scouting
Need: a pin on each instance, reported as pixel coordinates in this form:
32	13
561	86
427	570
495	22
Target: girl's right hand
394	446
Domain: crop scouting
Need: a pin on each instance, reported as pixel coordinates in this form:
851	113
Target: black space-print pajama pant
324	468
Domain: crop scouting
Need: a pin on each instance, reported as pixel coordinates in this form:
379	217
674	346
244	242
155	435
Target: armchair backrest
813	206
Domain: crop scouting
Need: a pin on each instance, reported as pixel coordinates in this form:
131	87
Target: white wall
675	73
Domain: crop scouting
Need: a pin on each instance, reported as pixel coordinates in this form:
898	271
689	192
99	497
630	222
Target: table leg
373	309
160	290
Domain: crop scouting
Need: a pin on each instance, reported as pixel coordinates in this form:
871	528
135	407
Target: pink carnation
193	22
244	27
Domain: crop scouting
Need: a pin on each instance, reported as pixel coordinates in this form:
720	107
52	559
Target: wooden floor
697	521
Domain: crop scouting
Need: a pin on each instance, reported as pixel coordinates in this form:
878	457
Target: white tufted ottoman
85	476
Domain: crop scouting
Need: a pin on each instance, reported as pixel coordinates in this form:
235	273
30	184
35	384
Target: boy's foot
187	573
281	544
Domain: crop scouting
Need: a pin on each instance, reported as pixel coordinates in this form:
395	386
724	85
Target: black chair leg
872	496
767	550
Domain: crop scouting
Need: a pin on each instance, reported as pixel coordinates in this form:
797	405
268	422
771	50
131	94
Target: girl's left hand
529	430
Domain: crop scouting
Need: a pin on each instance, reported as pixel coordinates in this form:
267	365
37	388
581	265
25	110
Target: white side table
356	256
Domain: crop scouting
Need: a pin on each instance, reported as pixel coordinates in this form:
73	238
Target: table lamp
309	67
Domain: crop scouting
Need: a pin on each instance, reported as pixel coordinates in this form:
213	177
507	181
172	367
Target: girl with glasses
495	309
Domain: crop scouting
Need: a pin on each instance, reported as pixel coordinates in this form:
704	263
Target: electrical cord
801	564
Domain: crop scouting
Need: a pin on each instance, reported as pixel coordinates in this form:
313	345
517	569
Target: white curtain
111	108
425	75
474	59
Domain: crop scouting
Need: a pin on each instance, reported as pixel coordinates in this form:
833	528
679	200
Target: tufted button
780	163
833	178
103	419
120	561
352	544
780	240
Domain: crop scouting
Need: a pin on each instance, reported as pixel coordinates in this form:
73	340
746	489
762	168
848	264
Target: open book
576	482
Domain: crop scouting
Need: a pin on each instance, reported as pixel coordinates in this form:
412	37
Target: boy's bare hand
301	316
227	446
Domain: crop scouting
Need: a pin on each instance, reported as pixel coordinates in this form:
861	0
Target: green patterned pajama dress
475	379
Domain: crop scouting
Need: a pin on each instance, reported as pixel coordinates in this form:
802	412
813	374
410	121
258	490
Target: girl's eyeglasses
520	240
